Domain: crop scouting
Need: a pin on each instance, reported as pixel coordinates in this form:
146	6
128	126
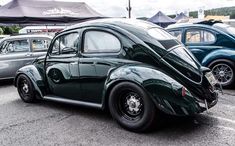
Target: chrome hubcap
223	73
25	88
133	104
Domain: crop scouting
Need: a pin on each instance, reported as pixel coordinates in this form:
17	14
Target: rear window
165	38
160	34
40	44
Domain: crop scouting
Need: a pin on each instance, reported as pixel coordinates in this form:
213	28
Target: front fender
33	74
164	91
219	54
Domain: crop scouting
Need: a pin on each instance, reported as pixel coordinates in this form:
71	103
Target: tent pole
129	8
47	30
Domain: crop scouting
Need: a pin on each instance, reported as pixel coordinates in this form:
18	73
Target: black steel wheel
130	106
224	72
25	89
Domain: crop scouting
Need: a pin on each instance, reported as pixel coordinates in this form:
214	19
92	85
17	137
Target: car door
99	48
61	66
39	46
14	54
200	42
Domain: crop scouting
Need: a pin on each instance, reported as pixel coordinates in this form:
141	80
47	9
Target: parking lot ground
50	123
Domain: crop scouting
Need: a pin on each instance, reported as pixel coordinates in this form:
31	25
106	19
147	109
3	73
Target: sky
147	8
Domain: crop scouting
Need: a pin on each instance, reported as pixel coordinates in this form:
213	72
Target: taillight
183	91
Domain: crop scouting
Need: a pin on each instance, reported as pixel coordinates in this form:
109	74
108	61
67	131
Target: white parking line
226	128
222	119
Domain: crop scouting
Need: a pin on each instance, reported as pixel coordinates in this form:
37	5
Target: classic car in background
131	67
213	44
17	51
3	36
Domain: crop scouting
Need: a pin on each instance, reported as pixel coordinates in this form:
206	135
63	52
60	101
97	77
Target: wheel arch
225	54
228	62
33	74
212	62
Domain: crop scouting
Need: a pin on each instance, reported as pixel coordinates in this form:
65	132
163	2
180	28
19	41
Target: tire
224	72
130	106
25	89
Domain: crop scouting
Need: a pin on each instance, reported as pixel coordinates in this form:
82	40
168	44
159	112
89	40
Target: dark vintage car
17	51
131	67
213	44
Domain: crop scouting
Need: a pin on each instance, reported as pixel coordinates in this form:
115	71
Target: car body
17	51
213	44
3	36
108	58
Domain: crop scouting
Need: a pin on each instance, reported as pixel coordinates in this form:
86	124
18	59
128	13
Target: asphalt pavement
50	123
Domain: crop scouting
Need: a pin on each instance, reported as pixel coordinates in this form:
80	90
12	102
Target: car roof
182	25
122	22
197	23
27	36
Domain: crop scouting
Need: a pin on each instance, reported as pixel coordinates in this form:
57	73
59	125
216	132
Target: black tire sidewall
230	64
145	122
31	98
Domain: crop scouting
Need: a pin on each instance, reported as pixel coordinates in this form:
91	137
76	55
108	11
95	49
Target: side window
66	44
199	36
40	44
99	41
15	46
177	34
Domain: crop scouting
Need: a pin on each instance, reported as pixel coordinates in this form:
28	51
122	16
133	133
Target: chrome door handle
29	54
74	63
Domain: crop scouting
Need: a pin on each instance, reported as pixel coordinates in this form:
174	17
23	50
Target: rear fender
219	54
161	88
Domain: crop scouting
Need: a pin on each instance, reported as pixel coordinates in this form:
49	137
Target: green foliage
232	16
10	29
226	11
142	18
171	16
193	14
1	31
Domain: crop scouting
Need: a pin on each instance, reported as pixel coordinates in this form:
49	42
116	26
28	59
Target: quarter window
199	36
66	44
40	44
15	46
98	41
177	34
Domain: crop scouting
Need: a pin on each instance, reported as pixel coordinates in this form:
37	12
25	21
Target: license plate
210	77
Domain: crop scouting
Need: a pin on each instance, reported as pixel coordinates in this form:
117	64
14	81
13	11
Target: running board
69	101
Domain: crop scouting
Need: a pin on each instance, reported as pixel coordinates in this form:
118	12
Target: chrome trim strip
69	101
6	78
16	60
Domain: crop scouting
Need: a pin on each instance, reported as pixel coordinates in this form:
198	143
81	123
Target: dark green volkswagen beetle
131	67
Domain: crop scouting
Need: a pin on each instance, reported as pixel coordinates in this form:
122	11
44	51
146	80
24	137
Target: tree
1	31
10	29
232	16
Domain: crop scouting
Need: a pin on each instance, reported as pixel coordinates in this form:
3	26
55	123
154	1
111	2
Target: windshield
226	28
